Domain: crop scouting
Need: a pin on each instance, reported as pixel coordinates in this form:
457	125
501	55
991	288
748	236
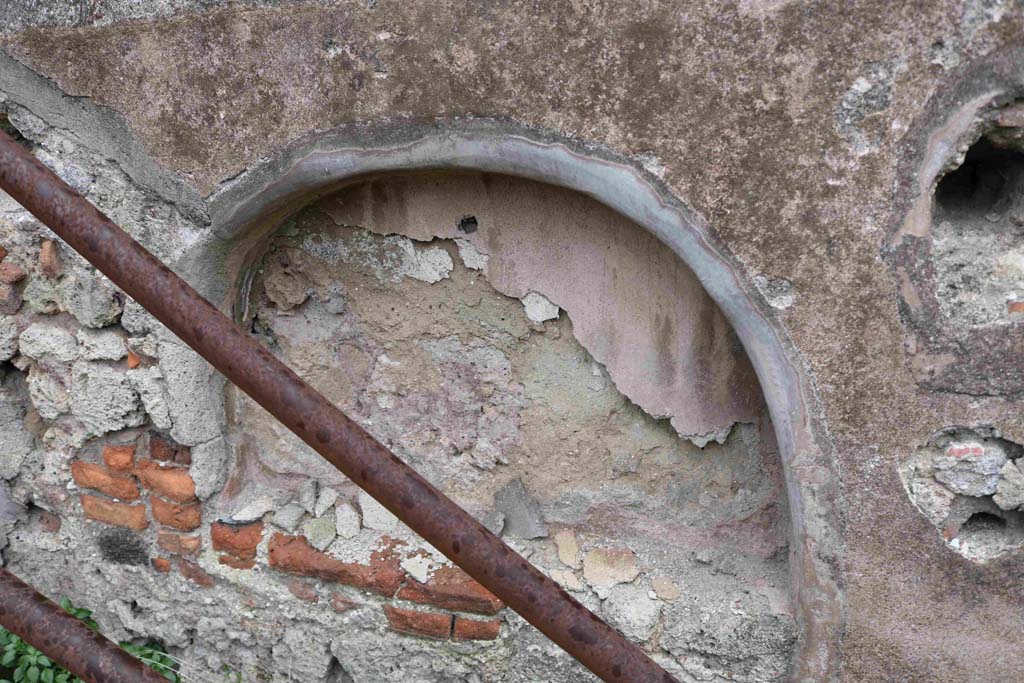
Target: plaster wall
805	137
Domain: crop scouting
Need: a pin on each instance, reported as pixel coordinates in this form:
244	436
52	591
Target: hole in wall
984	186
468	224
982	522
978	233
7	127
969	483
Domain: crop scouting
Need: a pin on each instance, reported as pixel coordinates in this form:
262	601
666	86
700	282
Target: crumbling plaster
750	112
312	168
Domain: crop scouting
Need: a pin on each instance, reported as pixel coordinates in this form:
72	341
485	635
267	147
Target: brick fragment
175	516
1014	307
173	483
239	540
119	457
10	302
49	522
423	624
161	564
302	590
339	603
92	476
235	562
295	555
133	360
166	450
11	273
3	253
962	450
452	588
193	572
178	544
49	259
476	629
110	512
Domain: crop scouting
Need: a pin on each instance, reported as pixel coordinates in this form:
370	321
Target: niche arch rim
252	205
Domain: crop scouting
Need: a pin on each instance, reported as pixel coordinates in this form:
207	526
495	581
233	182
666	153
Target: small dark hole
8	127
468	224
986	179
983	521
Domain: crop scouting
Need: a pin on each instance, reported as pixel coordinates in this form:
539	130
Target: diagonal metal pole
65	639
342	442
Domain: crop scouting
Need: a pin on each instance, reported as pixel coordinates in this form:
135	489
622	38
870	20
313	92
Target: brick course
475	629
119	458
293	554
452	588
239	540
178	544
194	573
173	483
180	517
92	476
423	624
110	512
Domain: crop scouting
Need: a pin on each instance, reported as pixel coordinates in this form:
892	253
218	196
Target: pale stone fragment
568	548
539	308
607	567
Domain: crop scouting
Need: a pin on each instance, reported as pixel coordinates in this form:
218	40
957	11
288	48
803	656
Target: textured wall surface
809	138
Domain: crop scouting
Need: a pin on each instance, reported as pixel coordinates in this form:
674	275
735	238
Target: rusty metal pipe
65	639
329	431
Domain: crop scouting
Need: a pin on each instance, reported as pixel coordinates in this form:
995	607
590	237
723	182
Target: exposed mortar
90	372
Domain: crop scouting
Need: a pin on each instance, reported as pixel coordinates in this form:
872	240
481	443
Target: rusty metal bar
329	431
65	639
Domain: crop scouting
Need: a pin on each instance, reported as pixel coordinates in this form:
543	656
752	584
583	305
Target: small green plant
22	663
80	613
155	657
230	675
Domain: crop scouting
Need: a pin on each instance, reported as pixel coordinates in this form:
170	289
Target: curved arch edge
317	164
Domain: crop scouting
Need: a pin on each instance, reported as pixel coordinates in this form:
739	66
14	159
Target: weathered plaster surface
635	306
798	131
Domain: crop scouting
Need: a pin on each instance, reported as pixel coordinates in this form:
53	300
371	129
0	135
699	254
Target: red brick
177	544
1015	307
339	603
49	259
173	483
960	450
3	253
235	562
475	629
193	572
120	458
91	476
452	588
169	451
423	624
293	554
11	273
133	360
239	540
180	517
118	514
161	564
302	590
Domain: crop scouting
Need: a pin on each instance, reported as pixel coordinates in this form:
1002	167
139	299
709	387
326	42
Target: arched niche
248	210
